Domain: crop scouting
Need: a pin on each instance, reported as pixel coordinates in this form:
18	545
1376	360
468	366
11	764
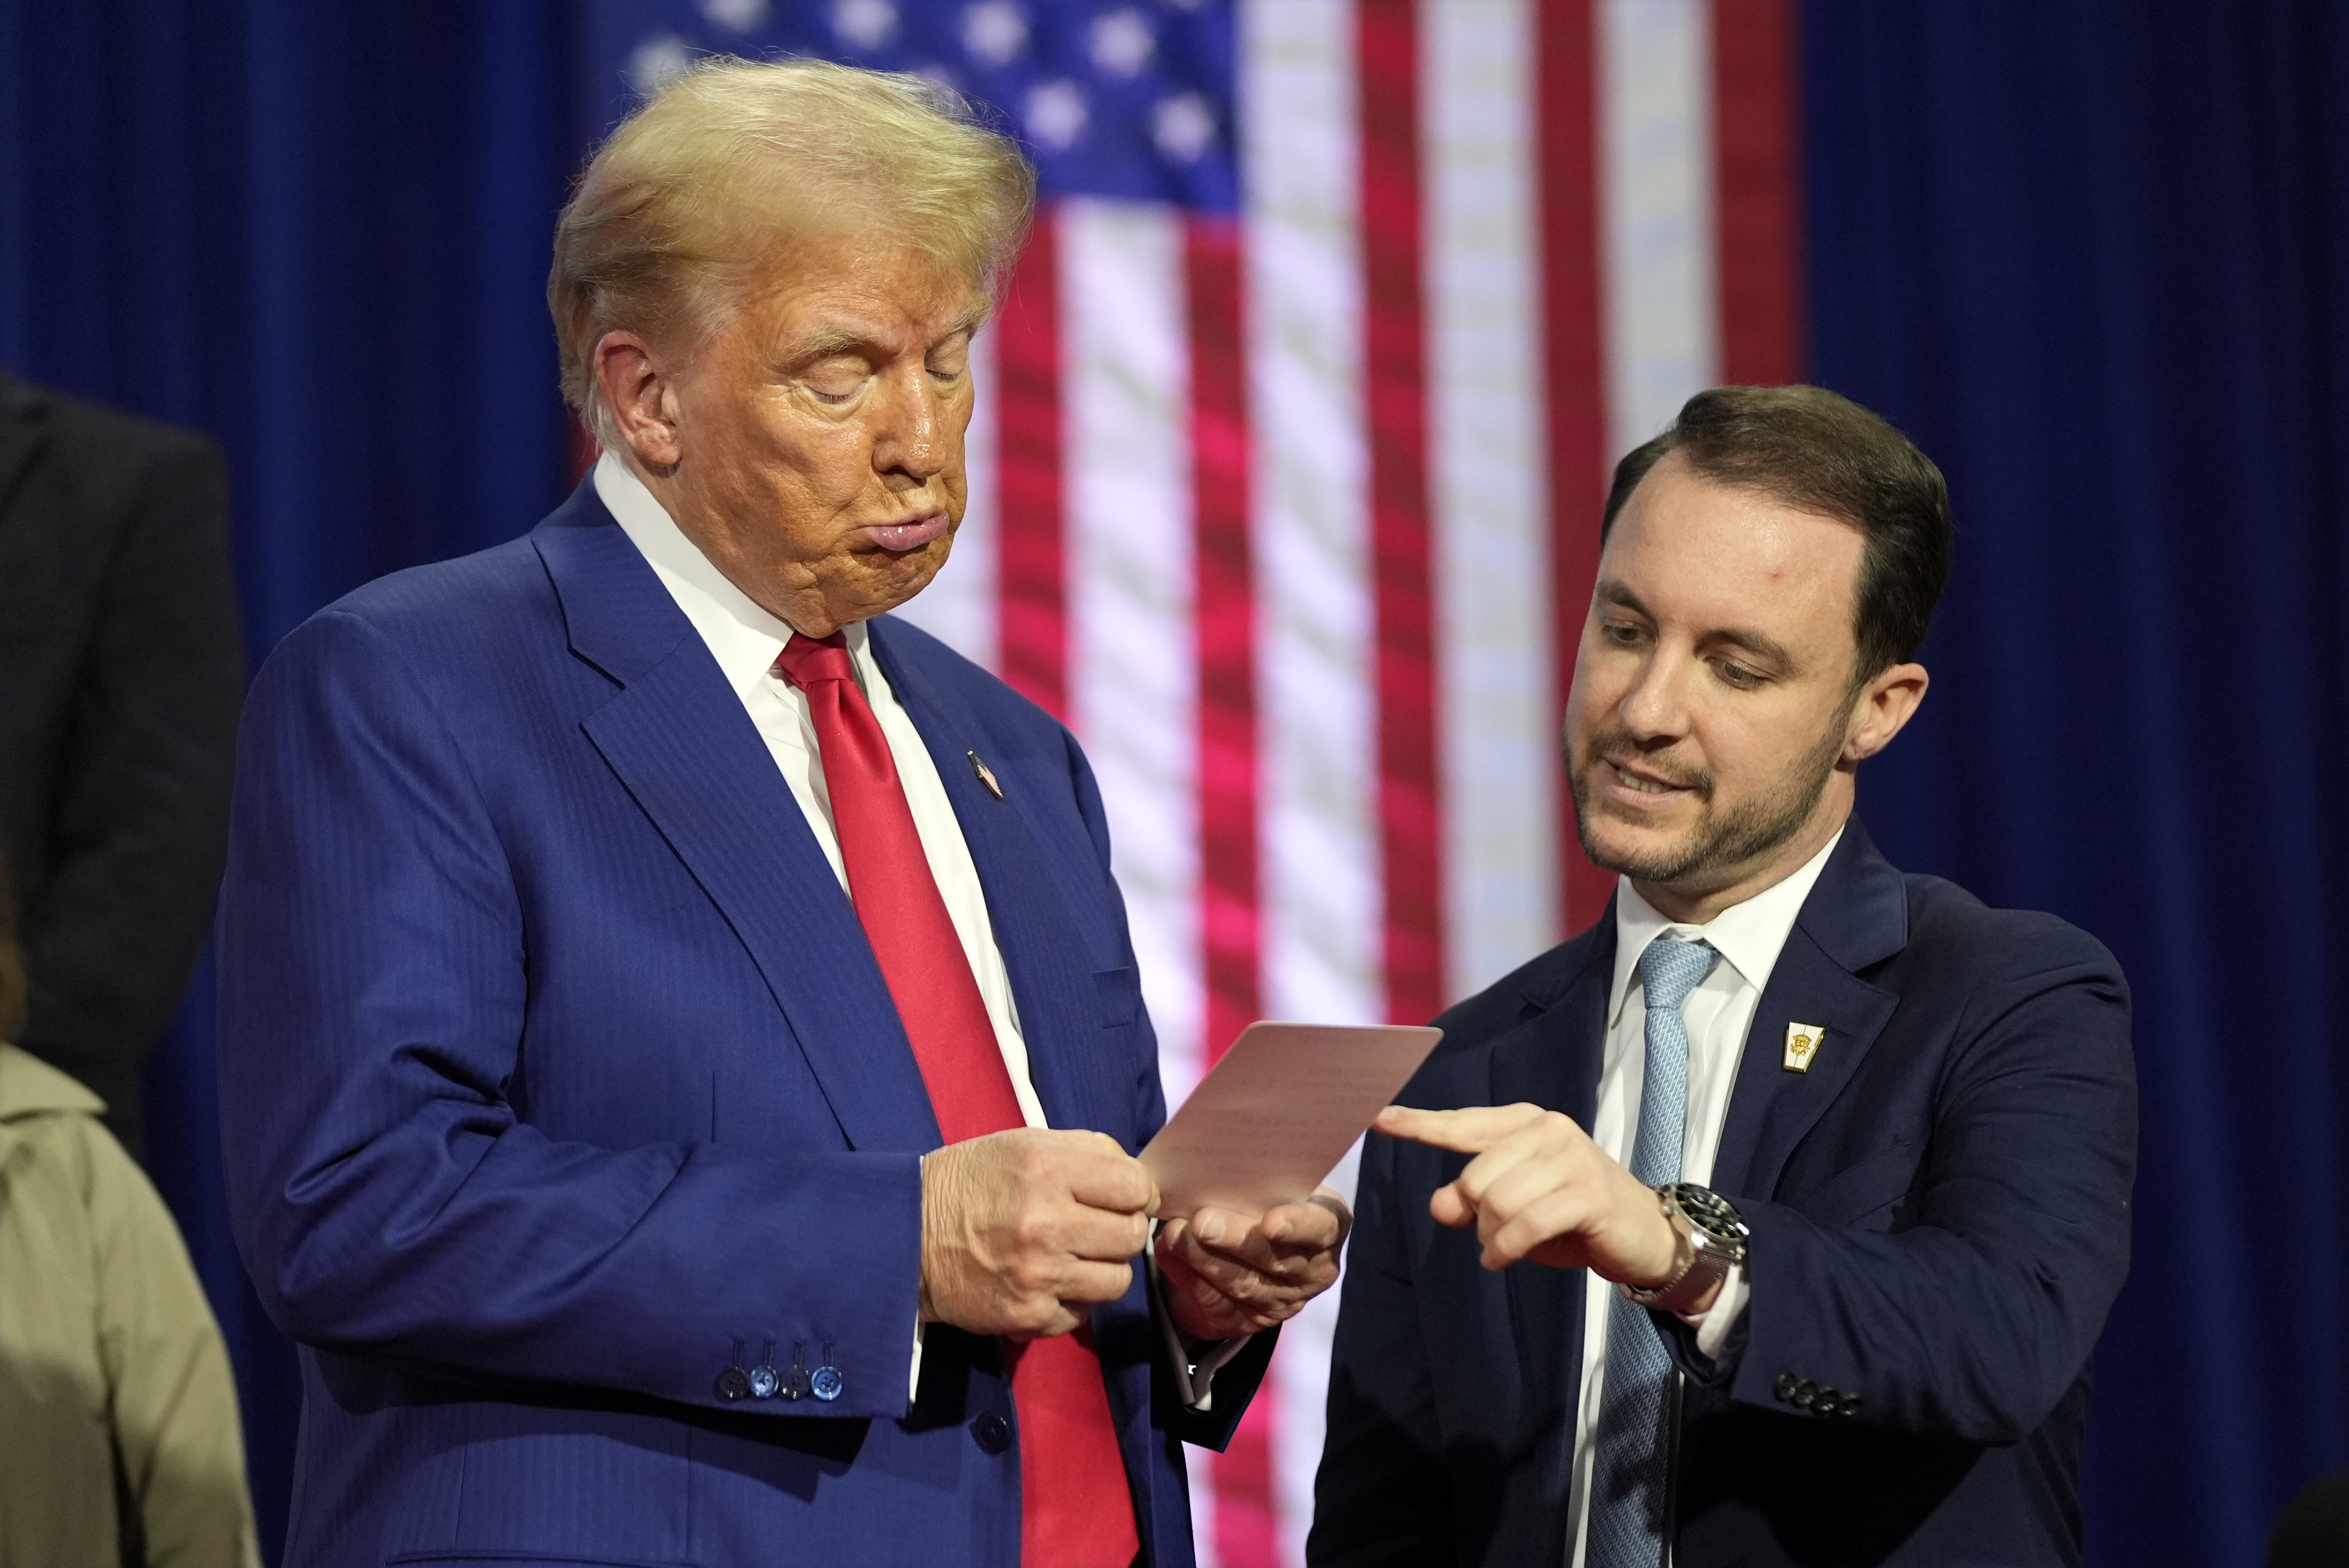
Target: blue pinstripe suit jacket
557	1075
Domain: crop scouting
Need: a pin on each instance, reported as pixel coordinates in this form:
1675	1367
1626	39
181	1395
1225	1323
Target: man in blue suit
682	1052
1772	1218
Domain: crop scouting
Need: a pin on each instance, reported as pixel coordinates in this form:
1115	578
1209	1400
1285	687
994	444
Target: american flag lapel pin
1803	1046
986	776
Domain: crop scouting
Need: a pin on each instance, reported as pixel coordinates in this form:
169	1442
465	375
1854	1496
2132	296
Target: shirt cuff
1714	1324
1194	1369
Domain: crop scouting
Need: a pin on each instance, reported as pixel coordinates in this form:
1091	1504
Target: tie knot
1670	967
806	660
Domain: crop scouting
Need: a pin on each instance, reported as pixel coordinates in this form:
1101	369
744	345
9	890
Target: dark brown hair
1809	448
12	961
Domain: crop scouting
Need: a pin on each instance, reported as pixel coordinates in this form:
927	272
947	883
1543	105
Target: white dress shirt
1719	1015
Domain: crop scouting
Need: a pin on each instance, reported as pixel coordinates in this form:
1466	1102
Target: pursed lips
911	534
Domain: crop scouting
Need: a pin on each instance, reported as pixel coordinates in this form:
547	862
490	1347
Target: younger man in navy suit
1772	1218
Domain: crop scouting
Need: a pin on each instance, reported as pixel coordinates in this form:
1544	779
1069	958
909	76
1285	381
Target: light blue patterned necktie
1627	1476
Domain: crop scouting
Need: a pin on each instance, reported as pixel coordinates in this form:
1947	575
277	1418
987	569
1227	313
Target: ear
638	386
1884	704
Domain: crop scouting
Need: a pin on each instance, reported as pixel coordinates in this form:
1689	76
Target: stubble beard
1720	845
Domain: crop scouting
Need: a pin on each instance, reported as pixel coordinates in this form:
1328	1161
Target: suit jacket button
992	1432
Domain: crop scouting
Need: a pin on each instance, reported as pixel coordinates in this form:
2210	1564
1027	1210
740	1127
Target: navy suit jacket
558	1076
1939	1214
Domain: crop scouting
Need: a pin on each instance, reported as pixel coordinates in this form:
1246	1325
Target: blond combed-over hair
673	218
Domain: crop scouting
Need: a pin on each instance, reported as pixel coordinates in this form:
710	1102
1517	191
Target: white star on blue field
1130	100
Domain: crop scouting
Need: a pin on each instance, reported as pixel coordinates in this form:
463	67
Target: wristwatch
1716	1237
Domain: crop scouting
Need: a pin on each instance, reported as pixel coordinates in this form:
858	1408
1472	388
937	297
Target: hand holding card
1248	1234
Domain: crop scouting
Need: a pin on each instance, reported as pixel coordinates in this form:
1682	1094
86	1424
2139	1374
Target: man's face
817	436
1713	698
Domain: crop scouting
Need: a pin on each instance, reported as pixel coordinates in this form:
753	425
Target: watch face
1710	1212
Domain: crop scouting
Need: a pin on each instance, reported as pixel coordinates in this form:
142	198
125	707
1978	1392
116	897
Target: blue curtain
2094	259
317	233
2090	255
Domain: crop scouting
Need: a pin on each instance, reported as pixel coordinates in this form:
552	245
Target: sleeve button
733	1384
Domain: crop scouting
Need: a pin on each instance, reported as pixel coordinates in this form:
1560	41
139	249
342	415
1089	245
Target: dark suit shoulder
1953	936
108	460
91	430
85	489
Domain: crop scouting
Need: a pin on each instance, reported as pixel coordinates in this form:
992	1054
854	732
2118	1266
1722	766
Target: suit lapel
1044	953
1553	1060
677	738
1856	916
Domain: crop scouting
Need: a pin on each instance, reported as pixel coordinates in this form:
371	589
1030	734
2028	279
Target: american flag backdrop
1292	434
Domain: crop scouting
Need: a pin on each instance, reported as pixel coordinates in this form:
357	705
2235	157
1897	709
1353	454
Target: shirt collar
741	637
1748	936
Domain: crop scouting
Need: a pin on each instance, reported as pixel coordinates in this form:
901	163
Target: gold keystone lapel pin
1803	1041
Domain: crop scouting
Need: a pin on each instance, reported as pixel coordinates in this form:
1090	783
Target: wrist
1675	1254
1191	1323
1194	1324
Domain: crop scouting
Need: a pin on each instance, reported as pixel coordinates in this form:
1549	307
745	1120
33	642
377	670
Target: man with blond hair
683	1057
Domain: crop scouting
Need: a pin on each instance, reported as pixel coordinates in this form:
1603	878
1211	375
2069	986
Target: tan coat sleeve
175	1401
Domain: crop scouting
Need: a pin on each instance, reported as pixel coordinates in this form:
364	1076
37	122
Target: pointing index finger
1470	1130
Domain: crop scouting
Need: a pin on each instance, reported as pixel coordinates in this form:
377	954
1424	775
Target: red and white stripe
1294	518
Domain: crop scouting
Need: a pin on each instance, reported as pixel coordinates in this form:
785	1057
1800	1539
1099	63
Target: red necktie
1075	1509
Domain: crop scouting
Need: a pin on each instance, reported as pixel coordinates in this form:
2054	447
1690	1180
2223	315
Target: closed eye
833	389
836	378
949	361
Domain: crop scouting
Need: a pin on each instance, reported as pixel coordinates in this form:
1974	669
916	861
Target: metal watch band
1710	1257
